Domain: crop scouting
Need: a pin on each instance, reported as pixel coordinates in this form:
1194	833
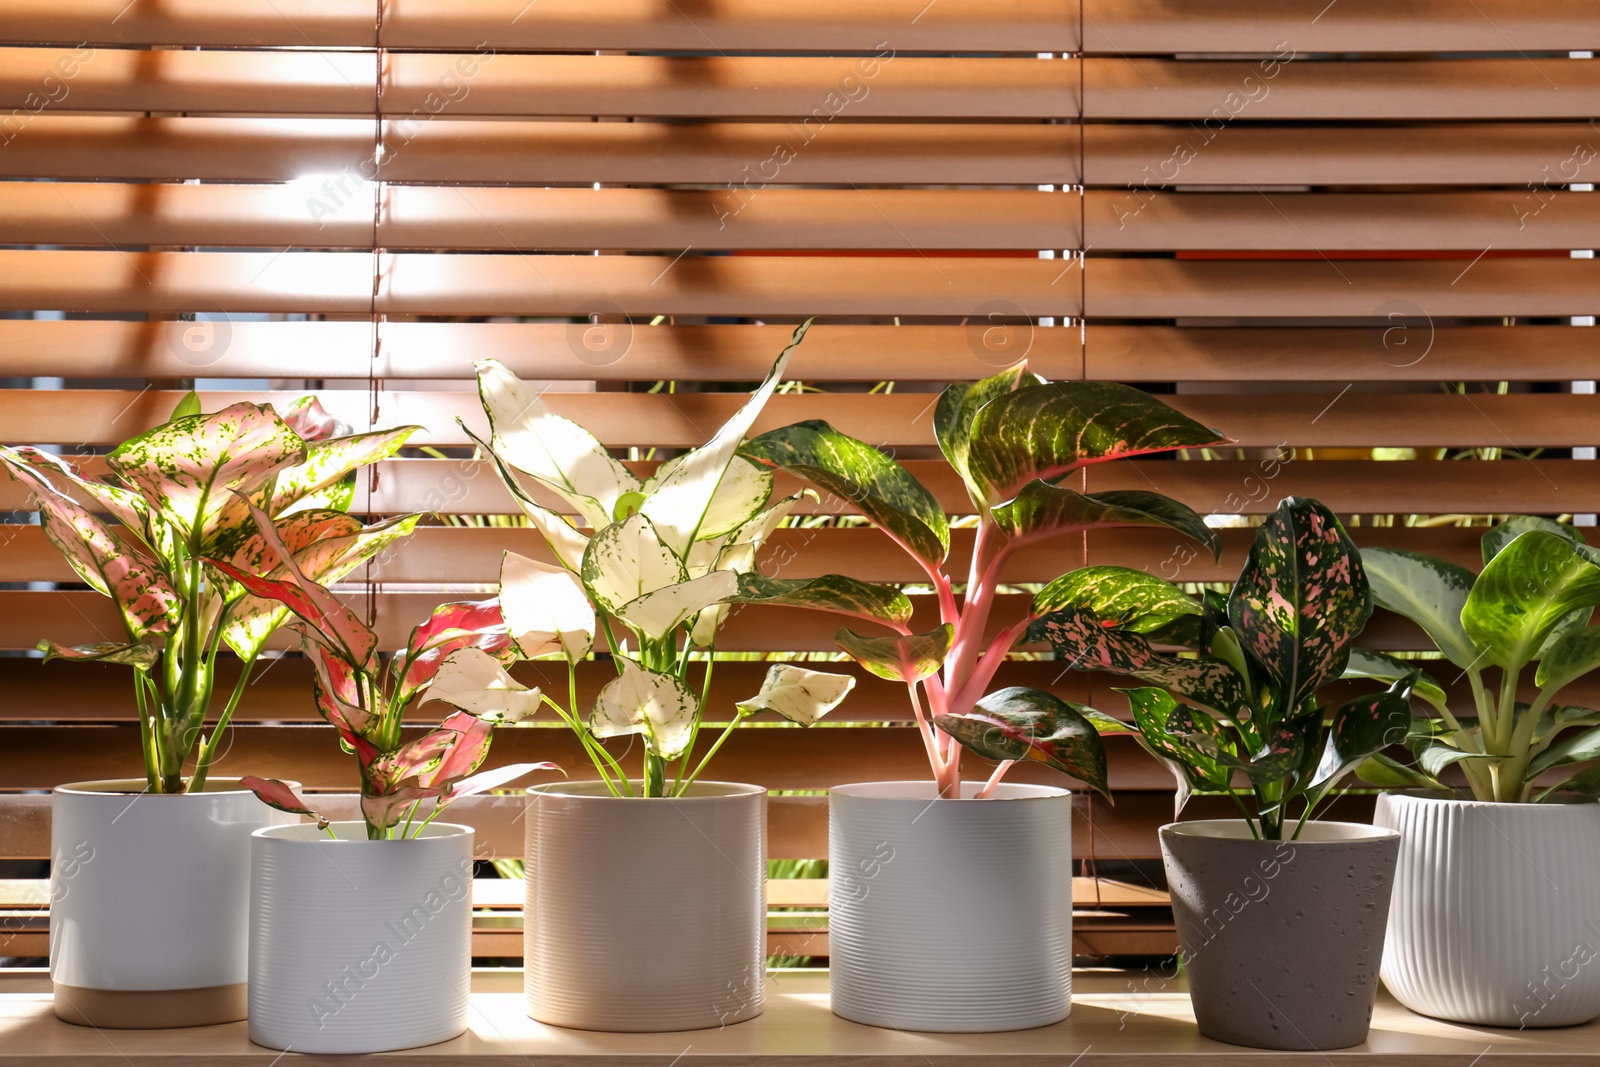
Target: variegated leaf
554	451
1191	767
461	624
638	701
1083	642
385	810
1042	510
863	477
126	506
1502	534
1366	663
196	472
740	496
495	779
958	406
313	422
564	540
280	795
658	612
1030	724
626	560
798	694
473	681
1524	593
332	461
138	654
338	694
899	658
678	502
829	592
1362	727
1301	598
1138	602
1575	654
1045	431
1430	592
545	608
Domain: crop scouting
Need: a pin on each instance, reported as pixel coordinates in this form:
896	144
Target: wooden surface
1116	1022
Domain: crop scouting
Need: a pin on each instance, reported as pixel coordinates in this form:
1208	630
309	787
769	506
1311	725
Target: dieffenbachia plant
654	564
1530	606
177	496
1013	439
458	657
1244	699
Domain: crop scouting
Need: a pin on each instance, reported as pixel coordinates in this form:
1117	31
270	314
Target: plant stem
152	770
727	731
994	779
208	751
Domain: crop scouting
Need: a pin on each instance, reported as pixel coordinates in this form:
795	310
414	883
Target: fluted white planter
150	901
1496	914
950	915
357	945
645	915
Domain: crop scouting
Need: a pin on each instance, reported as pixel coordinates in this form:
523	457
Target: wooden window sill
1116	1020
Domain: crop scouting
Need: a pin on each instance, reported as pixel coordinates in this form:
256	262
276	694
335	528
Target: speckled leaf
1430	592
463	624
1388	773
474	681
1275	761
564	540
1362	727
658	612
679	498
1043	510
1301	599
1191	768
1083	642
128	507
899	659
554	451
862	476
196	470
1044	431
830	592
138	654
1030	724
799	694
336	460
545	608
280	795
1137	601
1504	533
660	706
958	406
626	560
1529	587
313	422
740	496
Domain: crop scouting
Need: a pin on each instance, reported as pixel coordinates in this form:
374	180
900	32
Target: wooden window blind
1341	232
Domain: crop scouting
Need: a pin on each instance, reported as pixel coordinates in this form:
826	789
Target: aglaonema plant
1013	439
654	564
179	496
1530	606
1244	698
457	657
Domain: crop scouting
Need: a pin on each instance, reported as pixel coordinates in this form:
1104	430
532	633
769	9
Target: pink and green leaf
958	406
280	795
332	461
1030	724
899	658
1082	641
1043	510
138	654
500	776
313	422
453	626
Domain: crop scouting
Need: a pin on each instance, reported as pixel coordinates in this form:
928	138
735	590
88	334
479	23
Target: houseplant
1014	440
1499	802
653	565
172	503
1271	894
361	941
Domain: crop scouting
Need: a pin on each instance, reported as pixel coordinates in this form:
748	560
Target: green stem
152	770
727	731
208	751
694	731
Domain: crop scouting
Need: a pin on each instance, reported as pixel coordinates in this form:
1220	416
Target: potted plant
1280	919
134	944
1013	439
662	857
361	932
1497	896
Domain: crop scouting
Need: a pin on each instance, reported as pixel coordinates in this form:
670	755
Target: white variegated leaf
545	608
626	560
798	694
638	701
740	496
658	613
474	681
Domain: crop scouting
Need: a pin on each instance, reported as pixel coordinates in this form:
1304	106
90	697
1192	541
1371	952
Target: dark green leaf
1434	757
1274	761
899	659
1192	767
1044	431
958	406
1365	663
1573	748
1570	657
1430	592
1301	599
1506	532
1084	643
1529	587
1389	773
862	476
830	592
1586	782
1138	601
1042	510
1029	724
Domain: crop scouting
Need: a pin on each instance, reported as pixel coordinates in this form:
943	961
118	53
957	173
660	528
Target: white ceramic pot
1496	916
150	901
950	915
645	915
357	945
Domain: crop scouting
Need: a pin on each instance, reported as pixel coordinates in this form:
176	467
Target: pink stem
985	669
994	779
929	739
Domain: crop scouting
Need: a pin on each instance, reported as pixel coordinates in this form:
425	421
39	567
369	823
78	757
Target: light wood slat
779	758
1220	92
425	85
1151	156
337	213
449	150
1226	486
1148	288
1132	27
633	25
467	284
1403	345
1141	220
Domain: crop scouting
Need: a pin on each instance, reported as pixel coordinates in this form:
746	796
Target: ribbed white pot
950	915
150	901
357	945
645	915
1496	914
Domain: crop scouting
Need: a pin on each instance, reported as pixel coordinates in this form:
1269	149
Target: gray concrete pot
1281	940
